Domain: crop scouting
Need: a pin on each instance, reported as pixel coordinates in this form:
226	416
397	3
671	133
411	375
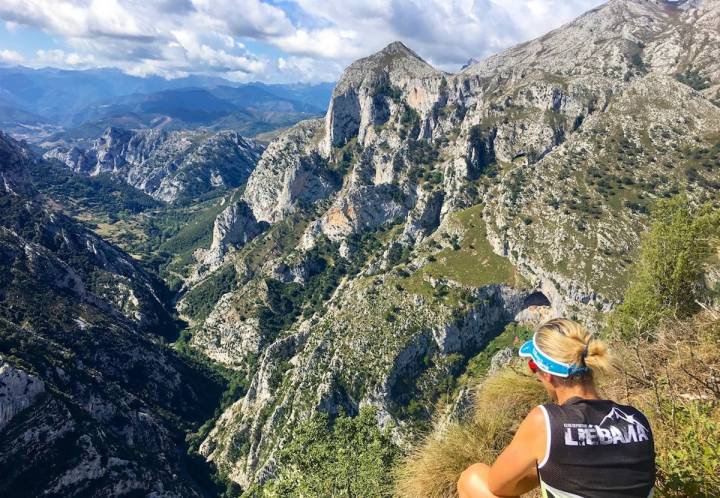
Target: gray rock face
13	174
166	165
18	391
234	227
91	418
361	207
289	174
359	99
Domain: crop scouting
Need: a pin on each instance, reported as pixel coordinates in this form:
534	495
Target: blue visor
547	364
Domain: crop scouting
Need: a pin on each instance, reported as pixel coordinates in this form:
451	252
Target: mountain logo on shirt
617	427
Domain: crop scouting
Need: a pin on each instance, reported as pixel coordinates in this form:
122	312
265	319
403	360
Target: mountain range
428	209
360	259
40	103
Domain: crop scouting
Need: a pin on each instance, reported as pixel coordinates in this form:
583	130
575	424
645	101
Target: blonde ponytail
569	342
598	358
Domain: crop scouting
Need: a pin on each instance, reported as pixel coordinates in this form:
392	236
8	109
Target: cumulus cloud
308	69
249	18
10	57
60	58
446	32
202	55
81	18
290	40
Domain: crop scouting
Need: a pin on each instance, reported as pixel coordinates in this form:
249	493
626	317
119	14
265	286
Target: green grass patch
471	261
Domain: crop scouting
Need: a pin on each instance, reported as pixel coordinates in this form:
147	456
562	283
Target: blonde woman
581	446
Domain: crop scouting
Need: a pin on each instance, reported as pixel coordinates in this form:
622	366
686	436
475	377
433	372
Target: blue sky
265	40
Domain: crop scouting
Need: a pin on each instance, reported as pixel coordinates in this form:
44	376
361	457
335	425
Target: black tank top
596	449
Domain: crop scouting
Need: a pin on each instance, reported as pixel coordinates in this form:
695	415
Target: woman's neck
584	391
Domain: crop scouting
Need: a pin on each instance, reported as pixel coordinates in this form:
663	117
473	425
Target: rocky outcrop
18	390
234	227
290	174
359	208
325	366
363	97
14	178
166	165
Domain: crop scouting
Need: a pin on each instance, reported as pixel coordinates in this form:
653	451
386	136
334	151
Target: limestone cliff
167	165
91	400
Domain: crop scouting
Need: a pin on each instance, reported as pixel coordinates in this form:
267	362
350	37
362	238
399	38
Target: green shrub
694	80
691	464
669	275
200	301
347	457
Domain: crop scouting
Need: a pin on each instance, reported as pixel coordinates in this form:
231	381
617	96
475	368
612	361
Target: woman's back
597	449
581	447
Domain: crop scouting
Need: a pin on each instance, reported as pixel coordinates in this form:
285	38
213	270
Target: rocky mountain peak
398	49
370	88
621	40
396	62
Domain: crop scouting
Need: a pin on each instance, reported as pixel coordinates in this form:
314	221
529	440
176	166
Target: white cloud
199	54
10	57
330	43
316	38
307	69
60	58
80	18
250	18
446	32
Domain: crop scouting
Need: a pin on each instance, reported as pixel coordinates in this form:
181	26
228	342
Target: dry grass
673	377
433	468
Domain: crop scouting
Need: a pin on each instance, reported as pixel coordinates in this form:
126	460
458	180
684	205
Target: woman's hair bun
568	341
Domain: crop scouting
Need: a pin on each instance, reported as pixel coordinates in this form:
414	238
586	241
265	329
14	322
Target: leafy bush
479	364
681	399
694	80
201	299
386	89
691	464
422	152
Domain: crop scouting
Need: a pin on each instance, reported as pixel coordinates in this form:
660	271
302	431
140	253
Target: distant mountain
249	109
168	165
35	102
54	93
316	95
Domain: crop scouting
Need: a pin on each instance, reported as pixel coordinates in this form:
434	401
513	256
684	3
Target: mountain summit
618	39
